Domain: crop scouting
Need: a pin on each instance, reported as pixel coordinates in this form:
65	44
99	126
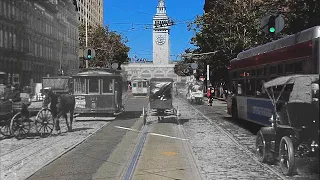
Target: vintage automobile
195	91
294	132
160	98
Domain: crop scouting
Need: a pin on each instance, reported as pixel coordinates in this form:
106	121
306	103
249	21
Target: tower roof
161	8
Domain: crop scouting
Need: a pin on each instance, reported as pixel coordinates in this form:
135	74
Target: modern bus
294	54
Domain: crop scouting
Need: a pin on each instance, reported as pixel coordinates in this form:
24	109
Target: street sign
278	23
89	53
194	65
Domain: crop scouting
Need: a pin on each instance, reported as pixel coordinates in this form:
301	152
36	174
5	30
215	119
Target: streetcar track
20	147
26	157
237	142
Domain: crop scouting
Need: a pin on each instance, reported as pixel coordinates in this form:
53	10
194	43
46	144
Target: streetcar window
145	84
80	86
107	86
94	85
134	85
139	84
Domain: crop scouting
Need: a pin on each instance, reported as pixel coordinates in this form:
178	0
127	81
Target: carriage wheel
261	149
19	126
44	122
5	130
286	153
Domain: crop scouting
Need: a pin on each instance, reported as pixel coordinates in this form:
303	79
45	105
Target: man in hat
15	95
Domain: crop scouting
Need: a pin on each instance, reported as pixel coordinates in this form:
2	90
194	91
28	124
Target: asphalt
85	160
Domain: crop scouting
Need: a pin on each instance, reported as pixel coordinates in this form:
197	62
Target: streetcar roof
299	37
95	73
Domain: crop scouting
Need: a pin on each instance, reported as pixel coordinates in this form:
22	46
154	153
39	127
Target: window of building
5	39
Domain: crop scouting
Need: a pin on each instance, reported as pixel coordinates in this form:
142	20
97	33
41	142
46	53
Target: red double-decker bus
294	54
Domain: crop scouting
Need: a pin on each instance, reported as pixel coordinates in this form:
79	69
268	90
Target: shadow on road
251	127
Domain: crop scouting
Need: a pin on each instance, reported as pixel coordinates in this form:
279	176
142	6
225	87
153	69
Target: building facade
94	11
31	37
161	65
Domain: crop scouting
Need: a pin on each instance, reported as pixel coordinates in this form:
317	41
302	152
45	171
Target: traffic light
89	54
272	24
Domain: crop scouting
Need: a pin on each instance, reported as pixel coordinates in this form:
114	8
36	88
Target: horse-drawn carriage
15	120
161	98
295	121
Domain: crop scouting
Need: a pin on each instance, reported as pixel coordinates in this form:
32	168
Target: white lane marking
119	127
155	134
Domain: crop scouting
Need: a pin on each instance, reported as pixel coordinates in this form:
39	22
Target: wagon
295	122
161	98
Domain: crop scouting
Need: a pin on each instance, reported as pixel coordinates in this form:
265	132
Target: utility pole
86	9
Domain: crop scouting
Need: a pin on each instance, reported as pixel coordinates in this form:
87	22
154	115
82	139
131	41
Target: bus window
241	87
273	70
260	72
298	67
250	87
234	75
260	91
139	84
253	73
280	69
80	86
289	68
145	84
94	85
107	86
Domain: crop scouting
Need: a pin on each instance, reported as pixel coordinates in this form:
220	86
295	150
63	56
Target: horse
60	106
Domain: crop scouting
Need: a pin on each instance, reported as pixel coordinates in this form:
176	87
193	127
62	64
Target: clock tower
161	31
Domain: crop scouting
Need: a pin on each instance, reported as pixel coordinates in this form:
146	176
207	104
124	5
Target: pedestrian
210	92
15	95
7	93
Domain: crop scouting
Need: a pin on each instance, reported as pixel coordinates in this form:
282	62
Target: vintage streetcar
99	91
140	87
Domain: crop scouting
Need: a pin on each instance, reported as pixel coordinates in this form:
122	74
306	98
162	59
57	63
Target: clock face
160	39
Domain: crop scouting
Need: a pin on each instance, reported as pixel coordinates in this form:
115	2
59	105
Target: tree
110	47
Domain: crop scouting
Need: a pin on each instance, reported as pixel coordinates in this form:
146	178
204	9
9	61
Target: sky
133	19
